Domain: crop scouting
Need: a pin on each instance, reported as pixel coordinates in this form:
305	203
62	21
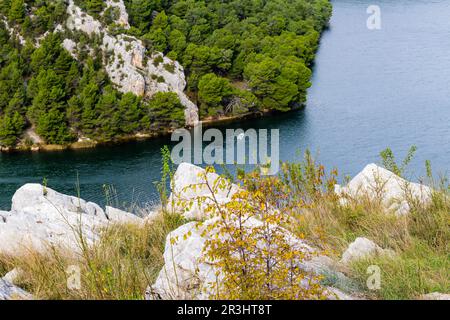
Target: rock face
183	276
121	216
362	248
394	191
122	20
189	175
128	64
40	217
9	291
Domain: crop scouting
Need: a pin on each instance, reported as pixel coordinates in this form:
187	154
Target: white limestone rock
336	294
189	183
435	296
13	275
123	14
363	248
70	46
79	20
41	217
120	216
379	183
8	291
130	67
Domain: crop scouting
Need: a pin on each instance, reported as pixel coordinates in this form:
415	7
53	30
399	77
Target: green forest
239	56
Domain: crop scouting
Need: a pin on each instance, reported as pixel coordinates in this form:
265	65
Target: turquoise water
371	90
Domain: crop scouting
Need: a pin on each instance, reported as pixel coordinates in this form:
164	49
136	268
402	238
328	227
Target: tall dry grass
125	260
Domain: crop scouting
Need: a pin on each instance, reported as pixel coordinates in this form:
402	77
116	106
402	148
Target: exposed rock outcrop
393	191
129	65
122	20
41	217
189	183
12	31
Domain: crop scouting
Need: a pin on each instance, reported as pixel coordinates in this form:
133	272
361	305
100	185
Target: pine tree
11	127
17	11
130	111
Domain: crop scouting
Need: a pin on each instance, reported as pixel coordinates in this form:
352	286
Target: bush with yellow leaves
255	256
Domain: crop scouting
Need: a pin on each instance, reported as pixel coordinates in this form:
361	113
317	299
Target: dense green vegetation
239	56
62	98
268	44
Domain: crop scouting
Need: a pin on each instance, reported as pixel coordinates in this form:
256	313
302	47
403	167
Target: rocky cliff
130	66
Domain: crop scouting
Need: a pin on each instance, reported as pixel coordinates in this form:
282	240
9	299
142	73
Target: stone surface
8	291
362	248
70	46
40	217
394	191
13	275
435	296
120	216
12	31
187	274
189	183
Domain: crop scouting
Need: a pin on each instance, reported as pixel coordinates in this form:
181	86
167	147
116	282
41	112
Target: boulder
394	192
122	20
362	248
8	291
189	184
40	217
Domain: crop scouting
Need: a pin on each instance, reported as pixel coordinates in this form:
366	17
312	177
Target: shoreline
91	144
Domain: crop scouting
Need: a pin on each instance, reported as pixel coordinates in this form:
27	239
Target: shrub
256	256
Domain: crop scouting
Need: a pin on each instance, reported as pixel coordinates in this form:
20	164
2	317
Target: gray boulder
41	217
191	183
394	192
8	291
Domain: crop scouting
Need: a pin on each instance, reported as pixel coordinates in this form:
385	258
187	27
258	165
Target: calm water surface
371	90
